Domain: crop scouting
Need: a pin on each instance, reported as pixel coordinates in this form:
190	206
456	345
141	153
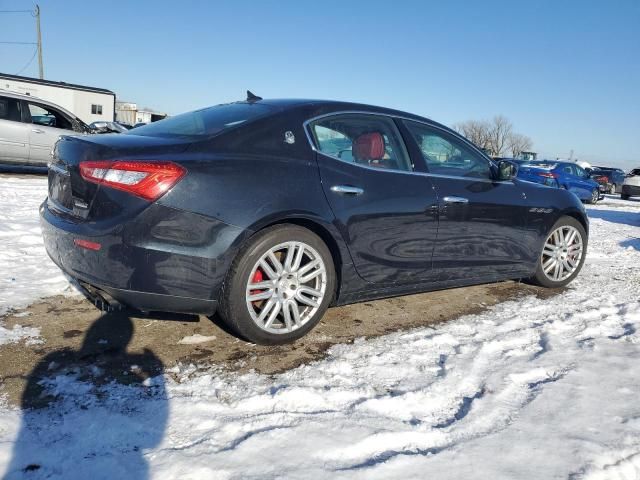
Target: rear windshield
204	122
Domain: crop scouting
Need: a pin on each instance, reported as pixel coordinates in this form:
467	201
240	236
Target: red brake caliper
257	278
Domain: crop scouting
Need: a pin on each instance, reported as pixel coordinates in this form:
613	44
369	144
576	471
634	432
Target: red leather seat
369	148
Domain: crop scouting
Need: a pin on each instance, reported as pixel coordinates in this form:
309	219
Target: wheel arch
579	216
327	233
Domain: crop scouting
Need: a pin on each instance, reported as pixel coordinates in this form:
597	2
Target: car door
571	181
382	208
14	134
482	229
47	124
585	183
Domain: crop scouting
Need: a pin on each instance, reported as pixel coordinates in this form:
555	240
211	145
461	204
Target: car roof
31	98
337	105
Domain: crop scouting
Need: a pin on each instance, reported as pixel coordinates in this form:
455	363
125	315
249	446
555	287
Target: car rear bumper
164	260
631	190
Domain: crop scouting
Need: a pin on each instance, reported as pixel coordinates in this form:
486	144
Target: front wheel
279	286
562	255
624	196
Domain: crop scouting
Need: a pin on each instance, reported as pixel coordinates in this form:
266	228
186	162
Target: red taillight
149	180
548	175
87	244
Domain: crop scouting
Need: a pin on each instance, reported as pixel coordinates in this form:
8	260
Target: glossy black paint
397	237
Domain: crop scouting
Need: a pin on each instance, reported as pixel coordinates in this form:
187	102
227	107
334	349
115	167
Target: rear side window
370	140
9	109
205	122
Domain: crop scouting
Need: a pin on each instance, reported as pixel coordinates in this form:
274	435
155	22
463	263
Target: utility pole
41	69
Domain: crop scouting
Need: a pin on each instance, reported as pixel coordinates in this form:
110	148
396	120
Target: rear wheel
595	196
562	255
624	196
279	286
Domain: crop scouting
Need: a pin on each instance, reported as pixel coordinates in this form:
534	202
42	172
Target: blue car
567	175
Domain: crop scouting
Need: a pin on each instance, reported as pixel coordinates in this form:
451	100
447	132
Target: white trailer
87	103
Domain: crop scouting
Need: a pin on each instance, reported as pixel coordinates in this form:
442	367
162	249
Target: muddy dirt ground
76	335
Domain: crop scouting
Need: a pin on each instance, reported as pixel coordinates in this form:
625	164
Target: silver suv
631	185
30	126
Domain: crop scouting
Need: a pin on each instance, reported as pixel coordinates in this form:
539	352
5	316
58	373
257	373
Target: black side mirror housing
506	170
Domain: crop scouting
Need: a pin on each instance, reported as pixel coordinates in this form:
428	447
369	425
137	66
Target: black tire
539	278
233	307
624	196
595	196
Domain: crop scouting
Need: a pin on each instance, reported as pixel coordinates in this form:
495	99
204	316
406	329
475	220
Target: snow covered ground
26	273
530	389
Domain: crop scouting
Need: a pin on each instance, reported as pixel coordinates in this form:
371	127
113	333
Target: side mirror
506	170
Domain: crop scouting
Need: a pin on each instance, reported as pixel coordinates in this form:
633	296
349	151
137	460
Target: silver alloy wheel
612	190
595	195
286	287
562	253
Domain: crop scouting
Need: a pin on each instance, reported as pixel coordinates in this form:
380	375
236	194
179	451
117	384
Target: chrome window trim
306	128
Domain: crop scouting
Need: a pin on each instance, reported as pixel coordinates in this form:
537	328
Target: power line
36	15
35	51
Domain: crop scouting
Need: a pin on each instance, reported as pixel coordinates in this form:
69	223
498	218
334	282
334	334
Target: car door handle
37	130
455	200
347	189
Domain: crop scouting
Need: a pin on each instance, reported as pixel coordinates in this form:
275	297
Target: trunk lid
72	196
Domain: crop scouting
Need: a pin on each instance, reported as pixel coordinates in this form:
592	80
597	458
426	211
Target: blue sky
565	73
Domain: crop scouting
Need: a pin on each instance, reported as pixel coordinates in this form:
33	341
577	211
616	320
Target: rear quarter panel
251	178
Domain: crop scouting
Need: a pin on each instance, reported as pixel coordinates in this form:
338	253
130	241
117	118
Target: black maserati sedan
270	211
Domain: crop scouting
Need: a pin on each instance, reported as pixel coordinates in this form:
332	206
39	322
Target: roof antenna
251	97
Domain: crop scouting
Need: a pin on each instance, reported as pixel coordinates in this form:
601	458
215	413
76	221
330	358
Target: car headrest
368	146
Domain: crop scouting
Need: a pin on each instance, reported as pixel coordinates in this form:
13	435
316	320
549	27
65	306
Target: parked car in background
567	175
269	211
615	177
102	126
29	127
631	185
601	178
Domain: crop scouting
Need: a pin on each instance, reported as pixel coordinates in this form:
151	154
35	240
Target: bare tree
476	131
519	143
499	134
496	137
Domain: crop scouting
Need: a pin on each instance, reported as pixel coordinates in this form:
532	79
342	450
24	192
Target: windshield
204	122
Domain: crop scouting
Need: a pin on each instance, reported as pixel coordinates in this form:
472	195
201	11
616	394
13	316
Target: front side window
48	117
96	109
446	155
361	139
9	109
